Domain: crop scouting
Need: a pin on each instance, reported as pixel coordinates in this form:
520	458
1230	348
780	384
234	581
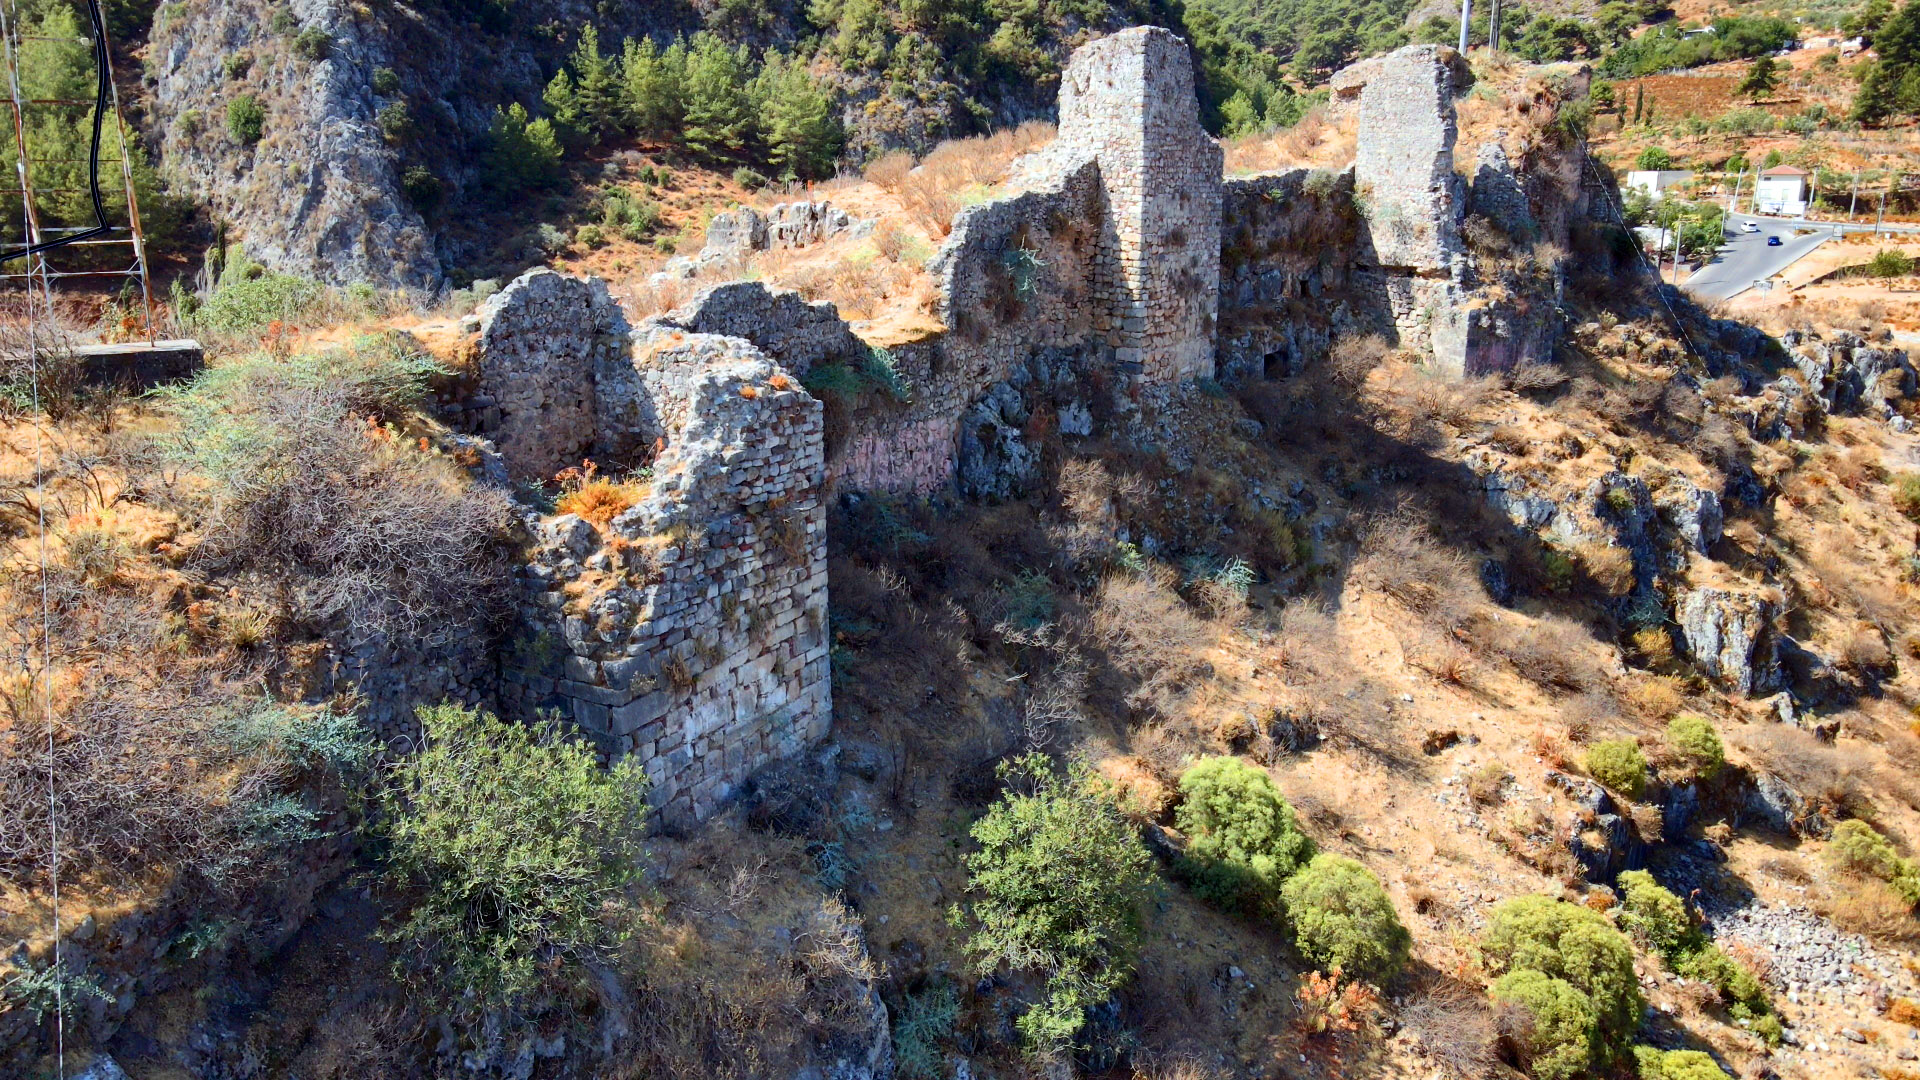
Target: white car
1749	226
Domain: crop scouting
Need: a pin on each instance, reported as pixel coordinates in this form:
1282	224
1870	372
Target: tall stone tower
1127	100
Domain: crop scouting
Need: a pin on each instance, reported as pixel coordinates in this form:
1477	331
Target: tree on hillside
1653	159
797	120
584	96
522	153
1867	22
1892	83
653	84
1761	79
719	112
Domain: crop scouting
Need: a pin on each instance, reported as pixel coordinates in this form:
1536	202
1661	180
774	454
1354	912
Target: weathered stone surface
1127	103
1403	162
1730	636
795	333
542	343
1497	192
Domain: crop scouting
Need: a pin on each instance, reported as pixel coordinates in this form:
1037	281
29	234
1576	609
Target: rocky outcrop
735	235
319	193
1848	374
1730	636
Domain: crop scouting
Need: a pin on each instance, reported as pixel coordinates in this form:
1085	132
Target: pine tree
797	120
719	112
1892	84
1761	78
584	96
523	153
652	82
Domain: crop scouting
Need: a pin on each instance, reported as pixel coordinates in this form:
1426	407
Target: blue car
1773	241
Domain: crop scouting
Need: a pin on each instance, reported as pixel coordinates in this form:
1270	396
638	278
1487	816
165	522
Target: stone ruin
691	628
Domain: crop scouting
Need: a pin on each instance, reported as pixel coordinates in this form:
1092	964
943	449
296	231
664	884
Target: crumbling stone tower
1127	100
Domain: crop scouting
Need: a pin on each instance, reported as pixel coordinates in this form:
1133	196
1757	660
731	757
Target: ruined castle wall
692	631
1403	160
1286	260
540	343
906	448
793	332
1127	102
1018	275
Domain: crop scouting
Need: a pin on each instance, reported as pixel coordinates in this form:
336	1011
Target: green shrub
1906	494
422	188
1657	1064
1695	739
1556	1041
1653	915
236	65
243	304
282	21
749	179
1618	764
1858	849
590	236
385	80
1709	964
1057	884
395	121
1652	159
313	44
1660	919
1574	943
516	850
42	990
246	119
1342	918
923	1025
1890	262
1243	840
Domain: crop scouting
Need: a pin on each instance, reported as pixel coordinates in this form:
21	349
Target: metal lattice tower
38	268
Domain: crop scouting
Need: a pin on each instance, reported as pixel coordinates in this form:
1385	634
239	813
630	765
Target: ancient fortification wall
691	628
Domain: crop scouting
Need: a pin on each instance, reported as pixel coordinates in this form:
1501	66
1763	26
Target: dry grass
1871	909
1400	556
1154	637
600	501
1318	140
954	173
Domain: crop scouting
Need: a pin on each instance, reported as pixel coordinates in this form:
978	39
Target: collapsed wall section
692	631
688	629
540	352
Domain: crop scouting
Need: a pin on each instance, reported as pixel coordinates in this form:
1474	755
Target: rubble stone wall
692	630
1127	104
541	343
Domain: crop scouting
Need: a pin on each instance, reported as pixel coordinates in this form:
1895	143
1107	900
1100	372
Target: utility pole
1466	21
1493	28
1854	198
1882	215
1733	202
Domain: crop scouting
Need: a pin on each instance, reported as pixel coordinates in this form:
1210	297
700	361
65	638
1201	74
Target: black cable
101	228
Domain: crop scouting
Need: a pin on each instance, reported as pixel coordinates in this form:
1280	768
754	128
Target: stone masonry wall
540	345
796	334
692	632
1127	103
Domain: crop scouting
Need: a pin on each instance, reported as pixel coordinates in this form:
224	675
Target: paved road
1745	258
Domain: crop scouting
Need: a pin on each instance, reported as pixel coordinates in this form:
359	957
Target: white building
1655	182
1781	190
